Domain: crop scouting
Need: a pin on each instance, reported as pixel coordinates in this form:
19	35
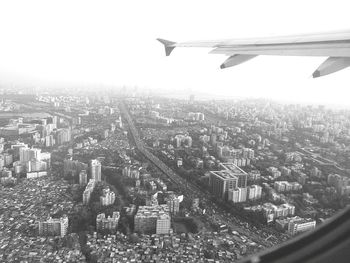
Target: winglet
169	45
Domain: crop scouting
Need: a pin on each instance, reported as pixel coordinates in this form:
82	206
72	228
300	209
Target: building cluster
59	137
7	105
196	116
131	172
19	160
341	183
85	143
271	211
230	184
33	160
182	140
295	225
240	157
25	205
54	226
274	172
153	219
17	127
172	247
143	179
285	186
155	115
107	198
73	167
109	223
173	201
44	130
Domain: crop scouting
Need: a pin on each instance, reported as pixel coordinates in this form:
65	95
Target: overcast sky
113	43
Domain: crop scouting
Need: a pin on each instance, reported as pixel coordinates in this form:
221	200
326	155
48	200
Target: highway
188	188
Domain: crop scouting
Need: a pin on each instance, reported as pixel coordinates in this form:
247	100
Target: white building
297	225
107	198
88	191
54	227
237	195
109	223
95	170
254	192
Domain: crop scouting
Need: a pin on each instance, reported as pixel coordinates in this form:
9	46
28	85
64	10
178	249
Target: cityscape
121	175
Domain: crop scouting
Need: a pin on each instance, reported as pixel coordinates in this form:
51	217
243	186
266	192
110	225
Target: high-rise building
238	172
49	141
183	140
107	198
27	154
36	166
126	171
73	167
54	227
63	135
8	158
88	191
109	223
174	203
213	139
254	192
83	177
196	116
95	170
237	195
221	182
152	219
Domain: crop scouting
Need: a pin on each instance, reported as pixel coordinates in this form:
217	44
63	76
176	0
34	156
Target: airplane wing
335	46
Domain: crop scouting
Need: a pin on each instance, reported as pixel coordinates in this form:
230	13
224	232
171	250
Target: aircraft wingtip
168	45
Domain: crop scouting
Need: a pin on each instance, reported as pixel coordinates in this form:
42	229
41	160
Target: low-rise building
297	225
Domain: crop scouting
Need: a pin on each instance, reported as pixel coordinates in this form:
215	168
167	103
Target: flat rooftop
157	211
232	167
224	174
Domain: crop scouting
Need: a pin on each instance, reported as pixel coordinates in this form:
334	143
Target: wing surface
334	45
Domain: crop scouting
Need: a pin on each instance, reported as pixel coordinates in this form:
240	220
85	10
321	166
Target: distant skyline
112	43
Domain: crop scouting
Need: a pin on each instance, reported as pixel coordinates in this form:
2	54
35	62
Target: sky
114	43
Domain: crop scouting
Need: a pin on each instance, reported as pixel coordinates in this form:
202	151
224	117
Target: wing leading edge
335	46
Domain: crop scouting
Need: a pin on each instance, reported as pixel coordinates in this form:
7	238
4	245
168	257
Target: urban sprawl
128	177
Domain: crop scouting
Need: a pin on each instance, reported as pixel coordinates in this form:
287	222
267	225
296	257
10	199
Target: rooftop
224	174
232	167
